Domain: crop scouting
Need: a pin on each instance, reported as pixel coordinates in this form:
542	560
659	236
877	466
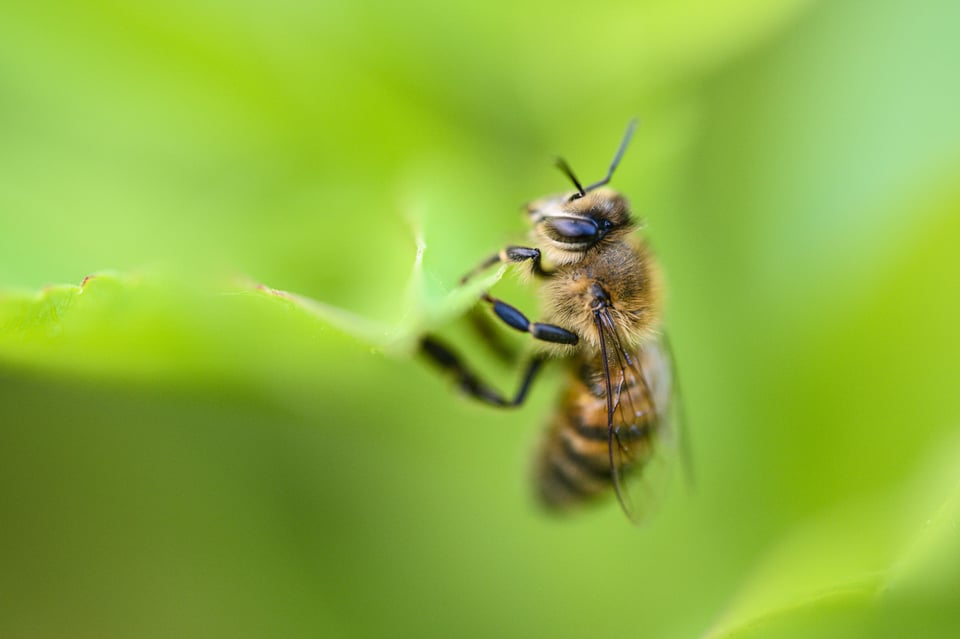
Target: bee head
576	225
571	224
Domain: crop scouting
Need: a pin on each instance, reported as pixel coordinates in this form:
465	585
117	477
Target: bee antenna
563	166
616	158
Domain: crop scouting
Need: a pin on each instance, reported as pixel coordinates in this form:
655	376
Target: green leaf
148	326
864	558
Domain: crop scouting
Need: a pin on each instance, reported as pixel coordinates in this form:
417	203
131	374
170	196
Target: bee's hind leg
446	359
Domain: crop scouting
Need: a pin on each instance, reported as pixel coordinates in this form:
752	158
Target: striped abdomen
574	463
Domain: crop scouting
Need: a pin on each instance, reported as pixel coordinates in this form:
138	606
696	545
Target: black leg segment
553	333
487	330
469	383
509	254
513	318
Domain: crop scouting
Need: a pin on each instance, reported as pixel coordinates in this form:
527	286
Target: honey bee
601	295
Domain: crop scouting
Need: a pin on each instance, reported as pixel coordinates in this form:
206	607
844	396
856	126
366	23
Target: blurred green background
184	454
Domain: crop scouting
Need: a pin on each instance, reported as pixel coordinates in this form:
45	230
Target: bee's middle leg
514	318
491	335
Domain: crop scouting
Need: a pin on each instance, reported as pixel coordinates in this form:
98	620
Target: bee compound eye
572	230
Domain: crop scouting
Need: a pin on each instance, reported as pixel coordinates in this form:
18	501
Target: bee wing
638	388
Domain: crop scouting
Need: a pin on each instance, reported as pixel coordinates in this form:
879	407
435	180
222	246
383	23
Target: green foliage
228	432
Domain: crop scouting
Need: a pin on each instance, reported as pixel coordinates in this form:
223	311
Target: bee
601	294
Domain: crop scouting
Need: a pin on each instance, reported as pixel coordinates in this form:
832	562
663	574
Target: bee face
571	224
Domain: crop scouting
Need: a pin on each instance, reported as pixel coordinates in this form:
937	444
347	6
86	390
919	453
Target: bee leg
513	318
491	336
508	255
446	359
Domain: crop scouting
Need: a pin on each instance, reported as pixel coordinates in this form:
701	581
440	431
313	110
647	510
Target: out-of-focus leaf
865	557
145	327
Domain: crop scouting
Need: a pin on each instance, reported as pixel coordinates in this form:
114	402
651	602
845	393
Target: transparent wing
639	391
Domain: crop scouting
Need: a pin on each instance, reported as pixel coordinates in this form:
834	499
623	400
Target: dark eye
572	230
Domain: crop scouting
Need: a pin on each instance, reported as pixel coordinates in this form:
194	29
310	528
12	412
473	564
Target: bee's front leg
507	255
